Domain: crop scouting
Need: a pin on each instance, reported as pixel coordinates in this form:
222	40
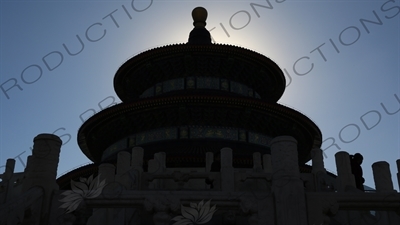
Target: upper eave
214	60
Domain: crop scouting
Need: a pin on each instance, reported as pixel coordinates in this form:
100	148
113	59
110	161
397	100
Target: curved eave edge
177	48
122	108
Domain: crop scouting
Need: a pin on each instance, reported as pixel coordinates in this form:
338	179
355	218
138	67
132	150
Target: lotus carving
195	214
85	188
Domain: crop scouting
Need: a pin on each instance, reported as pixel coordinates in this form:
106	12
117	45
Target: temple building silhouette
199	138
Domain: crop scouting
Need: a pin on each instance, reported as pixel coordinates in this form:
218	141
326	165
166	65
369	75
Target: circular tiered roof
185	60
187	99
251	115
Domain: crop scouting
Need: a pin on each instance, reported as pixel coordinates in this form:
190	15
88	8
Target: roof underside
120	121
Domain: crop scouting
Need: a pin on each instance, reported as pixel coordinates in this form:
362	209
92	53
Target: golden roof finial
199	15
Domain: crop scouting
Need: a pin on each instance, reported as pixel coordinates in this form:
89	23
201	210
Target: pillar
160	157
137	166
344	176
7	180
157	165
383	183
209	161
382	177
317	161
227	173
287	187
123	167
42	168
111	190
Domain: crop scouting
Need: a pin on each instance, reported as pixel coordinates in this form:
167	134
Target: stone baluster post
317	161
209	161
382	177
287	187
318	169
7	180
160	157
129	179
123	167
27	167
152	168
384	184
227	172
267	163
137	166
156	165
257	167
124	179
257	162
344	175
42	168
111	190
133	214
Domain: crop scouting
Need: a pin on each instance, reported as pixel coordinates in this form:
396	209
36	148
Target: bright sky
341	60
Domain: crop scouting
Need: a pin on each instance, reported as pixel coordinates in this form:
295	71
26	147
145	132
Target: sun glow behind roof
335	93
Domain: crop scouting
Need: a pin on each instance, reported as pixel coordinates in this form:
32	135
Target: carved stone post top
317	154
137	149
342	158
316	150
283	138
226	157
124	154
209	160
380	164
50	137
10	165
209	155
342	153
160	157
45	145
382	176
137	153
343	165
317	161
284	158
9	171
